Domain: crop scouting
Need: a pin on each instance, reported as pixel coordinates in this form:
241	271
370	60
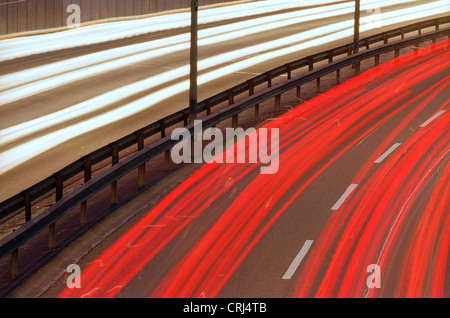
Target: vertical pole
234	121
193	61
251	91
52	227
115	160
167	152
356	32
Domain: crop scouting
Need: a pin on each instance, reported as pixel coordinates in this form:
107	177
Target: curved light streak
15	156
25	46
28	82
245	217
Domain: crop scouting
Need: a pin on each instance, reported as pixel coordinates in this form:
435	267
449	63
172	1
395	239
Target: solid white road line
432	118
387	153
344	196
294	265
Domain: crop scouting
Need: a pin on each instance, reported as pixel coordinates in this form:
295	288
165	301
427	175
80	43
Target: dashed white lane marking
432	118
344	196
388	152
297	260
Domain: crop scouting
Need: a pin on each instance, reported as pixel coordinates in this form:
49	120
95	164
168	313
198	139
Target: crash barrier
11	243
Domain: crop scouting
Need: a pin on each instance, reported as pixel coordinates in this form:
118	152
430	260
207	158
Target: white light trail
28	82
105	32
101	101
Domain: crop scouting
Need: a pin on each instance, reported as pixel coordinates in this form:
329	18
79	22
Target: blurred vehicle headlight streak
70	70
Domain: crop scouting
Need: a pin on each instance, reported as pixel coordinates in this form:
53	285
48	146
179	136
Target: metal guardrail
11	243
55	182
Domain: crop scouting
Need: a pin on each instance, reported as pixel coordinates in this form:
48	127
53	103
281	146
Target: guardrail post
59	187
115	160
141	168
338	76
27	207
234	121
163	134
167	160
357	68
330	57
87	177
52	227
318	85
185	118
377	59
14	263
208	107
230	98
310	63
269	79
298	92
385	38
278	103
396	53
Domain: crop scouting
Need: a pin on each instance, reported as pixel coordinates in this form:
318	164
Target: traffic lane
407	171
192	272
265	273
72	89
270	249
22	178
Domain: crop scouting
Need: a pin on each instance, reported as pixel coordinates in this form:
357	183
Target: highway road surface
66	94
358	207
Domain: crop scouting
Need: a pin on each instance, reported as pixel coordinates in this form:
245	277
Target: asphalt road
65	94
358	207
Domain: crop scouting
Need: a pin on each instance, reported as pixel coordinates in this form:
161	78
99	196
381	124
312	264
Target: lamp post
193	61
356	32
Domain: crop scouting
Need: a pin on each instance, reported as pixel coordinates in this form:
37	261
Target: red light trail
398	210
